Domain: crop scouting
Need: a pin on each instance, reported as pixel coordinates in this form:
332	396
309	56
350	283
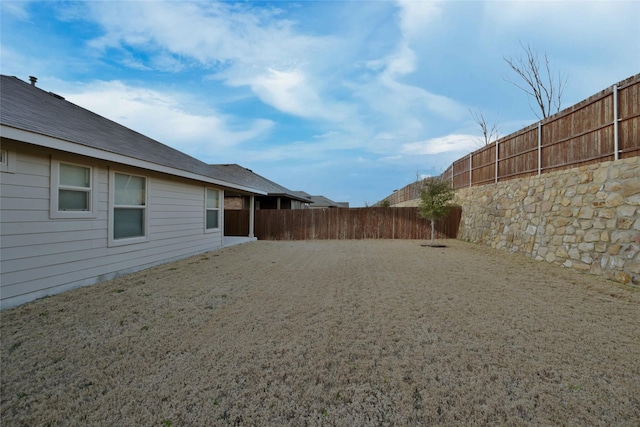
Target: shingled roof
249	178
26	107
322	201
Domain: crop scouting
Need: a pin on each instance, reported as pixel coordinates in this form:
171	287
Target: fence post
470	169
393	236
539	147
452	183
497	157
616	148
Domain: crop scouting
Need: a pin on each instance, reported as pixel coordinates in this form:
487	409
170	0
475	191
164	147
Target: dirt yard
329	333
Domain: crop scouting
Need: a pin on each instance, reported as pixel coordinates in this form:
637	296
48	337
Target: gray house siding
40	255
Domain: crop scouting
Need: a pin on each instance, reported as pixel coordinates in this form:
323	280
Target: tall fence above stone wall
603	127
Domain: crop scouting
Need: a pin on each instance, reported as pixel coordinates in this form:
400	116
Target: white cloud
396	104
560	17
404	111
165	117
295	73
414	20
416	16
573	33
400	63
444	144
390	158
243	46
15	63
291	92
17	9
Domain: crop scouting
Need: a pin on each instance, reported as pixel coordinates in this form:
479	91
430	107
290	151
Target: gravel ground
323	333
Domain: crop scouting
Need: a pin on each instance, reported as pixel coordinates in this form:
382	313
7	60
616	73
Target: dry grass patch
329	333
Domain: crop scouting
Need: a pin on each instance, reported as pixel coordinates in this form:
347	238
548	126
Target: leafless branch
490	131
539	82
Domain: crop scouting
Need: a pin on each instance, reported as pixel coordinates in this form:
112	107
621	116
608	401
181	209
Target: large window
212	209
129	206
72	190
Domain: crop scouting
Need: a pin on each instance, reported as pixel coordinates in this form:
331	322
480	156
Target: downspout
221	212
251	214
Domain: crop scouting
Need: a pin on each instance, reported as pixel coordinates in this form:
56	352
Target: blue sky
350	100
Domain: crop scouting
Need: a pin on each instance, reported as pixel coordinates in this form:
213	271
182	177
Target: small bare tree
539	81
490	130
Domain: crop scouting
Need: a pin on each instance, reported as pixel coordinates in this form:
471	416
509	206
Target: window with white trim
128	208
7	160
4	160
212	209
72	190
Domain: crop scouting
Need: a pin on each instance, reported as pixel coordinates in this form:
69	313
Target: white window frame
7	160
55	188
112	206
206	209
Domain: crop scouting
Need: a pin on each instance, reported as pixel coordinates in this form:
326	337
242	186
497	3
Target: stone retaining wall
586	218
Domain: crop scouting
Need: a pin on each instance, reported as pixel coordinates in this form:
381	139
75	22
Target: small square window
7	161
72	190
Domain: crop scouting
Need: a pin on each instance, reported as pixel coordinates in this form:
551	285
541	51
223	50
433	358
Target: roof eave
46	141
290	196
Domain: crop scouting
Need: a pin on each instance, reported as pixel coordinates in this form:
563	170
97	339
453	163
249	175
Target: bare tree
539	82
490	130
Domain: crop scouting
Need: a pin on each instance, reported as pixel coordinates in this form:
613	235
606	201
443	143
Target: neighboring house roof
249	178
24	107
323	202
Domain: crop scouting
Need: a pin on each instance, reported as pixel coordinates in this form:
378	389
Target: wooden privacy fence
406	193
604	127
354	223
236	222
